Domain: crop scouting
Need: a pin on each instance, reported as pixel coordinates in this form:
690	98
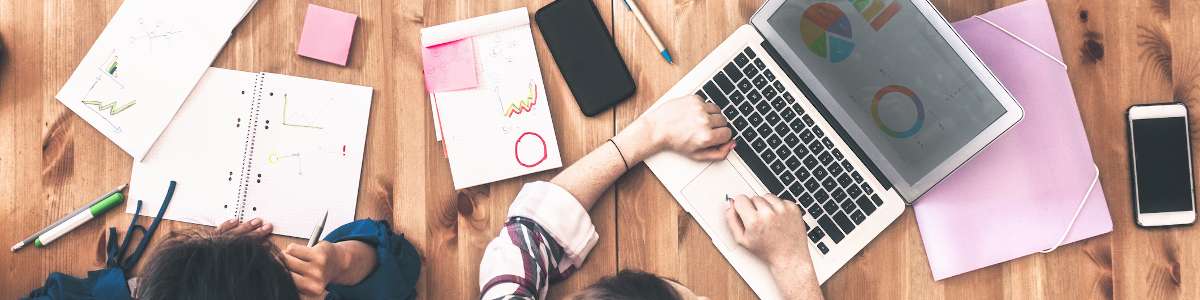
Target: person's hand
312	267
770	228
255	228
688	126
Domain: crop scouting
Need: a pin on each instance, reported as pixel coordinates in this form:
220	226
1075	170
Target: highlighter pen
77	220
32	237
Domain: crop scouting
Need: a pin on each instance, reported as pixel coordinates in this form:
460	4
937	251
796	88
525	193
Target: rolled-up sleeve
397	263
547	236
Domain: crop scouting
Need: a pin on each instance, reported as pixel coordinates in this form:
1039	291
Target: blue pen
649	31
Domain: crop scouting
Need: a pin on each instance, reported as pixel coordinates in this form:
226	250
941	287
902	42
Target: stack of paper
144	64
489	102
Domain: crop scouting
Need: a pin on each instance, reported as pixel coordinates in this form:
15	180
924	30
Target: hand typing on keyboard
773	230
688	126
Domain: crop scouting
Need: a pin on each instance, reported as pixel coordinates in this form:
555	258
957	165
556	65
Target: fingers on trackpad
707	191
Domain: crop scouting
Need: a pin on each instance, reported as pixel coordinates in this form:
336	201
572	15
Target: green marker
78	219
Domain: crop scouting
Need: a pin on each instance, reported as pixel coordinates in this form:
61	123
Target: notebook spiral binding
248	149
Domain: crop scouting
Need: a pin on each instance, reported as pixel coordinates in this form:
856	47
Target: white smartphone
1161	159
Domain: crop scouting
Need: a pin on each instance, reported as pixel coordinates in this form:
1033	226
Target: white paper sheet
143	65
502	128
305	140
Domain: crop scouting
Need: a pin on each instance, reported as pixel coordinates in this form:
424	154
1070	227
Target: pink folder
1019	195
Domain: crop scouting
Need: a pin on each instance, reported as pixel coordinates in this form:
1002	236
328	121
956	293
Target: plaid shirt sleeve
547	236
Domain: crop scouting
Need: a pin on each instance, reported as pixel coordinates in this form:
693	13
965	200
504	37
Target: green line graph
112	107
285	115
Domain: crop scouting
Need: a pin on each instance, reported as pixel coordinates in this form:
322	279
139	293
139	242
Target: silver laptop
851	109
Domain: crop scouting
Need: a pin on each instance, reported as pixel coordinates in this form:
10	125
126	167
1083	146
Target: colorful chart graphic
524	105
916	126
826	32
524	157
876	12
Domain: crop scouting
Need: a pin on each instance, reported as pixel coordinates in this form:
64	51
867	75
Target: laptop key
740	123
815	211
800	149
758	145
812	185
853	191
808	120
789	97
829	183
772	118
749	53
778	167
830	206
806	135
774	141
786	196
847	205
763	129
763	106
787	177
804	199
825	158
818	171
846	165
759	63
839	195
744	85
816	234
838	154
866	188
737	98
857	177
844	180
769	92
778	103
796	124
778	86
723	82
749	133
828	144
746	107
821	246
865	205
819	195
760	82
858	217
796	189
875	199
769	157
790	139
830	229
802	173
741	59
843	221
793	162
816	147
734	73
787	114
834	168
715	94
754	96
749	70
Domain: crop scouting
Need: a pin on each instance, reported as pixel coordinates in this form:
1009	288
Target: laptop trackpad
706	196
706	193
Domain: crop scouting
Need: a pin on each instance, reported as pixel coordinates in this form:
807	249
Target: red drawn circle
517	148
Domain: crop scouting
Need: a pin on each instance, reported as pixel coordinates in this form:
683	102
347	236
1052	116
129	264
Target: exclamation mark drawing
343	150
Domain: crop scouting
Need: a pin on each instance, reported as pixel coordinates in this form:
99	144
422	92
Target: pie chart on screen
826	32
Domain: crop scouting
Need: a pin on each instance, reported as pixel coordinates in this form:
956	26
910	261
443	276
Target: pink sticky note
450	66
326	34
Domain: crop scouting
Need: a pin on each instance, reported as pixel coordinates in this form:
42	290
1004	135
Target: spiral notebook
259	145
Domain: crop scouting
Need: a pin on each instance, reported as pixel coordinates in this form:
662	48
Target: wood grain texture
1119	53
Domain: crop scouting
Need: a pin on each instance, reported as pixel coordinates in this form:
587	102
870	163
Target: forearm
796	279
587	178
357	260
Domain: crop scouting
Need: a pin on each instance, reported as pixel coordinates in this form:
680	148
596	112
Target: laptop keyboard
784	148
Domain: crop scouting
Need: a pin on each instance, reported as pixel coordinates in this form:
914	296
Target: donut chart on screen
826	32
917	123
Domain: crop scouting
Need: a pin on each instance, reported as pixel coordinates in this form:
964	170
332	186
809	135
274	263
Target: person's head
199	265
635	285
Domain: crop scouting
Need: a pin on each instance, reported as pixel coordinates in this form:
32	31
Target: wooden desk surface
1119	53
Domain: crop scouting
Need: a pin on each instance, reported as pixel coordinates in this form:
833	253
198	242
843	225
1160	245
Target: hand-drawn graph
876	12
149	34
524	105
303	118
112	107
275	158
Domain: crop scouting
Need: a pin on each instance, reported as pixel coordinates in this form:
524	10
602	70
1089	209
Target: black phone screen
1163	171
585	53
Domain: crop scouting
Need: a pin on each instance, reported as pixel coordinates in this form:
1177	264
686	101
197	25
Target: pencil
662	49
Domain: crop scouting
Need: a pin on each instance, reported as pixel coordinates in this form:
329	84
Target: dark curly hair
629	285
202	265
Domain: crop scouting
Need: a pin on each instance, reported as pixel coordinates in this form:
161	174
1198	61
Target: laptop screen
892	80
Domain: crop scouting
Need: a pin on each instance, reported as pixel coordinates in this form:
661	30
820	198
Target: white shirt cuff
559	213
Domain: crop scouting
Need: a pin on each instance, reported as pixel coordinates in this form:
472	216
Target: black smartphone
1161	163
586	54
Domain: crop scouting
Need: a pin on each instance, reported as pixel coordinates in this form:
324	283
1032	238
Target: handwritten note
450	66
327	34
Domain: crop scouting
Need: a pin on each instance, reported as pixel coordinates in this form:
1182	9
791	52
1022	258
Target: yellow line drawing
112	107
